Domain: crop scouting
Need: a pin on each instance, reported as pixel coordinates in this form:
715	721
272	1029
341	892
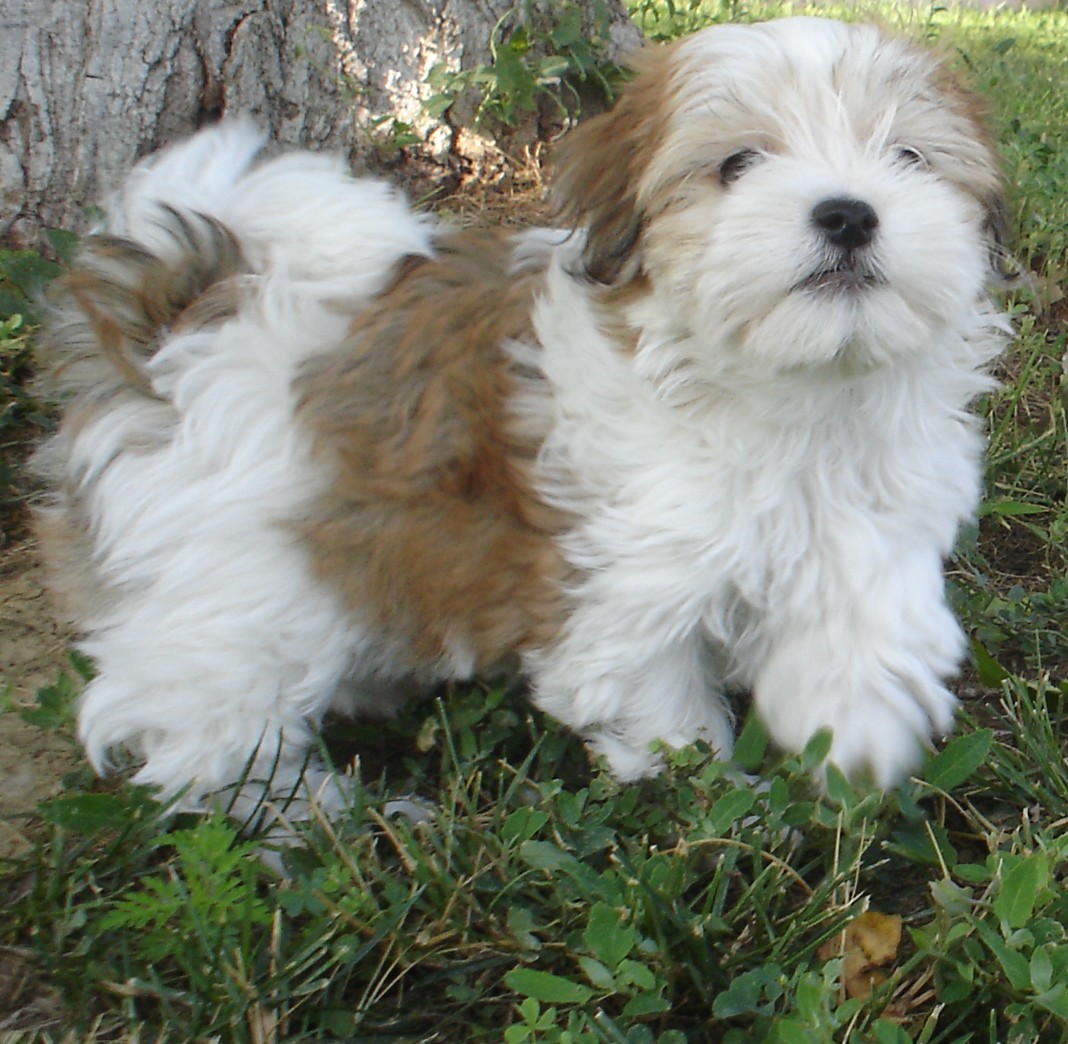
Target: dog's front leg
862	648
625	691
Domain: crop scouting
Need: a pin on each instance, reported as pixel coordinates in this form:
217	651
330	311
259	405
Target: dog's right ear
600	166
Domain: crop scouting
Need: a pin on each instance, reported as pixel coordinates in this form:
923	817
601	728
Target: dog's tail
192	220
162	246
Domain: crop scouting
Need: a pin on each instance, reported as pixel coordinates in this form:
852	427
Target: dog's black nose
847	223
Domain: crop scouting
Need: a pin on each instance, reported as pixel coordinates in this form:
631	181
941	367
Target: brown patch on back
431	531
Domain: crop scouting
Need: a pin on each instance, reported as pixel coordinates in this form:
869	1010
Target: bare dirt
33	653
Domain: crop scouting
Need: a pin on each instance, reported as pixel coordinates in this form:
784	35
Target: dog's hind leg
215	661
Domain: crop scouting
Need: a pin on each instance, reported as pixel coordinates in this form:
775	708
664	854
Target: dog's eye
735	165
912	157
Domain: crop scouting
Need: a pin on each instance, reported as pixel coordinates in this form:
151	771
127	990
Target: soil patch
33	653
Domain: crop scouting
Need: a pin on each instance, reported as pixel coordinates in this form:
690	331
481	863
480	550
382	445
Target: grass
542	902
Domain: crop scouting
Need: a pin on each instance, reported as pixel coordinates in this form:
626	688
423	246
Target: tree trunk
88	86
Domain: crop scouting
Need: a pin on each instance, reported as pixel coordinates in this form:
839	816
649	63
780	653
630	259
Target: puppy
321	452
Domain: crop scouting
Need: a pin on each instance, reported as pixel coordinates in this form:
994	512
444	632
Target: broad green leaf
635	974
598	974
544	855
568	28
959	759
951	897
1055	1000
973	873
608	939
729	809
816	750
436	105
1020	888
752	745
924	843
839	790
523	824
742	997
1041	970
989	670
546	987
523	925
791	1031
1009	508
1015	966
552	68
886	1032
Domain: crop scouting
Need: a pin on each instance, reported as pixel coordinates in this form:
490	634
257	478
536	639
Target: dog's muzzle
846	227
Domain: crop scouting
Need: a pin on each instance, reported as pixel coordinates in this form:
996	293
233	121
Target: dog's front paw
884	737
881	723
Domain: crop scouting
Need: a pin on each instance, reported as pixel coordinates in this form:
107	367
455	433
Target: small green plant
539	903
1028	625
24	274
391	134
537	51
668	19
204	916
14	370
54	708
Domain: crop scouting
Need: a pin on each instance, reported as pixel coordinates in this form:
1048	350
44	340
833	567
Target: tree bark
89	86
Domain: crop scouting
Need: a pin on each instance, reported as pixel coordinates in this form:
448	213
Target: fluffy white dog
322	452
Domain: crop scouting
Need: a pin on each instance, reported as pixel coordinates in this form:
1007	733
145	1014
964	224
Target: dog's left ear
600	165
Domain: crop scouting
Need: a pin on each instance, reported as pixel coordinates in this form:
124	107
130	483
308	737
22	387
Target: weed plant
23	277
537	51
539	901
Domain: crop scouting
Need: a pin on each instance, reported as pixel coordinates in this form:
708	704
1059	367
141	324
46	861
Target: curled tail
191	218
163	250
109	312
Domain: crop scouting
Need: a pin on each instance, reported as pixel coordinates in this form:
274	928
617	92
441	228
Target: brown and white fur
322	452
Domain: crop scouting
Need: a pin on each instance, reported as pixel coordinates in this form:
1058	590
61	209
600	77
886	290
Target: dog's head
791	193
